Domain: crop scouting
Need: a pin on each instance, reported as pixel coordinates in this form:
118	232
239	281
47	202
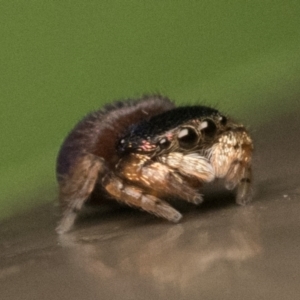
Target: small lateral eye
164	143
223	120
208	127
122	145
187	137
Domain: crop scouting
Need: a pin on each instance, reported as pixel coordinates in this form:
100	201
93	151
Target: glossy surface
217	251
62	59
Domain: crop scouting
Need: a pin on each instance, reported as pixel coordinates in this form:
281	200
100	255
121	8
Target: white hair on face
183	133
190	164
203	125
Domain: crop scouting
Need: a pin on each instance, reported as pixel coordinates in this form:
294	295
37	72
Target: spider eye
122	145
164	143
223	120
187	137
208	127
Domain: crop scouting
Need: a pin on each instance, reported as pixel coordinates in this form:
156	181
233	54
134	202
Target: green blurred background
62	59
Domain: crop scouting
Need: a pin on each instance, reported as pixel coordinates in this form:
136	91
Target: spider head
183	129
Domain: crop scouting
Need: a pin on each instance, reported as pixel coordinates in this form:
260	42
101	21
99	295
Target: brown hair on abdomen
98	132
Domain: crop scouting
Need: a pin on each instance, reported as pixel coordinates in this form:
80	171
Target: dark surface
218	251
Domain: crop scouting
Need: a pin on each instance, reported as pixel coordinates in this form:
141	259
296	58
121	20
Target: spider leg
194	165
166	181
160	178
76	187
240	177
244	191
137	197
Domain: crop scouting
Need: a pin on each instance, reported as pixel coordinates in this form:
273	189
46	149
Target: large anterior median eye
208	127
187	137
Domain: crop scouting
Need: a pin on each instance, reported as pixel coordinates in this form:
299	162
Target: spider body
140	152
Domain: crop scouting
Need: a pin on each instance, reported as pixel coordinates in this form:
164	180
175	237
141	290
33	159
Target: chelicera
142	152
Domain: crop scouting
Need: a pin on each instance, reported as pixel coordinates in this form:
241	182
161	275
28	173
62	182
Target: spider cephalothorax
142	151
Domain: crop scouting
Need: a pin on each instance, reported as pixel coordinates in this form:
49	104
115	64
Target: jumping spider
142	151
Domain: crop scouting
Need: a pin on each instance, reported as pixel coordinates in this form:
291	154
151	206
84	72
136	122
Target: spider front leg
244	192
193	164
137	197
76	186
231	157
240	177
161	179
